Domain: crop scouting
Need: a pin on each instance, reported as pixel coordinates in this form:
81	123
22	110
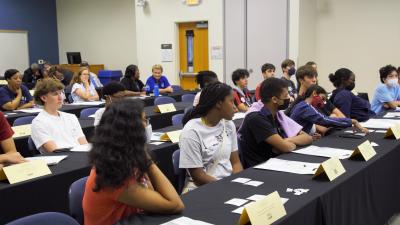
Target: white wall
102	30
156	24
362	35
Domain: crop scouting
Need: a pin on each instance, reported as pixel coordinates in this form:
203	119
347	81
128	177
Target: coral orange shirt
103	207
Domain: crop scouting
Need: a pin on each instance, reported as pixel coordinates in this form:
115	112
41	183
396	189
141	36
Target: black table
177	95
368	193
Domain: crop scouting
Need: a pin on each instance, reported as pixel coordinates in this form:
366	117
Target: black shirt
131	85
255	129
29	78
291	87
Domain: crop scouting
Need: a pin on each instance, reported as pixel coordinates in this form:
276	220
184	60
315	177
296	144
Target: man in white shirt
112	92
53	129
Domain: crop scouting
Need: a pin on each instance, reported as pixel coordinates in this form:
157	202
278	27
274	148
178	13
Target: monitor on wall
74	57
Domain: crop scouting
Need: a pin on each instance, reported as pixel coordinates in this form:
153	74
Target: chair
70	99
164	100
181	173
23	120
187	109
177	119
76	191
363	95
176	88
188	97
46	218
31	146
85	113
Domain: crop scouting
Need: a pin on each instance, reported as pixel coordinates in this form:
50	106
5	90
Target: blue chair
23	120
31	146
176	88
177	119
163	100
85	113
188	97
187	109
46	218
76	191
181	173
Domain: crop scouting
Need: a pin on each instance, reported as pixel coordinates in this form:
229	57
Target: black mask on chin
285	105
350	87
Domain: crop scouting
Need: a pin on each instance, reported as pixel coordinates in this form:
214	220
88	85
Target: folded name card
21	131
172	136
165	108
393	131
25	171
332	167
365	150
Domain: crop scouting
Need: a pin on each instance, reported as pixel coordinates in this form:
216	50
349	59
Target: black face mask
292	71
285	105
351	86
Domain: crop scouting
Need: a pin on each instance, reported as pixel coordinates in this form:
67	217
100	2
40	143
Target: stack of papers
82	148
379	123
50	160
325	152
289	166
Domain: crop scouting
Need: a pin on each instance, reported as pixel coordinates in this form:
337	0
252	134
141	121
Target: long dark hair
209	97
119	145
318	89
130	71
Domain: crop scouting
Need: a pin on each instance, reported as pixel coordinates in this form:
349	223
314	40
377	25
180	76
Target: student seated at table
14	95
288	70
7	144
83	89
241	95
343	98
387	94
124	181
262	135
204	78
112	92
94	79
268	71
134	86
53	129
312	64
306	114
159	79
31	75
208	142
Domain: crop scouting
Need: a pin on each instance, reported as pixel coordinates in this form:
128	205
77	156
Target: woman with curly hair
124	181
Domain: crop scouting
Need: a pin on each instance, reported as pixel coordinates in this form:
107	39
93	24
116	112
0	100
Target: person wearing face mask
263	134
343	98
14	95
387	94
288	69
241	94
306	114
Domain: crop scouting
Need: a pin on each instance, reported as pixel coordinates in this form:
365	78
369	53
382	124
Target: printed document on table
325	152
50	160
379	123
288	166
30	110
88	103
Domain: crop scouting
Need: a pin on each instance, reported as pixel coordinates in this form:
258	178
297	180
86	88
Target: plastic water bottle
156	90
147	88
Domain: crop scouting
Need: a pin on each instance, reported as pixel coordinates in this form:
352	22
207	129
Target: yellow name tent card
25	171
365	150
165	108
3	82
172	136
22	130
393	131
332	167
264	211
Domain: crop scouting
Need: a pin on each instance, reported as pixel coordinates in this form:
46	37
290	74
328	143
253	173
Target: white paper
236	201
185	221
88	103
92	116
241	180
380	131
254	183
325	152
392	115
155	136
50	160
374	144
157	143
240	209
82	148
288	166
30	110
379	123
238	115
217	52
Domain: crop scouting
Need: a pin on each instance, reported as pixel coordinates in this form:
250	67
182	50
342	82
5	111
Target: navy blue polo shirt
6	95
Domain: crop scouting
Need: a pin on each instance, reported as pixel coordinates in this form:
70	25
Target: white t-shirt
64	130
196	99
199	143
76	86
97	116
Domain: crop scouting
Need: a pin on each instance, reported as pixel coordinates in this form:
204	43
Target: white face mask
149	131
394	82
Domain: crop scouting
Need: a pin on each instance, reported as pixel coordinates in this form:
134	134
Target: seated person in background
306	114
53	129
208	142
93	77
288	70
261	135
387	94
14	95
31	75
135	183
343	98
268	71
312	64
56	74
46	69
204	78
241	95
7	144
134	86
82	88
112	92
159	79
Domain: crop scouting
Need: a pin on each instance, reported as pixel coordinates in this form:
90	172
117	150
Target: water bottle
147	88
156	91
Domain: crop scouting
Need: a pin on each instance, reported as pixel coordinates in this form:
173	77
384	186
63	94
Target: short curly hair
45	86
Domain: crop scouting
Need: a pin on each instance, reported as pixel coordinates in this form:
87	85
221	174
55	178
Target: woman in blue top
387	94
306	114
343	98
